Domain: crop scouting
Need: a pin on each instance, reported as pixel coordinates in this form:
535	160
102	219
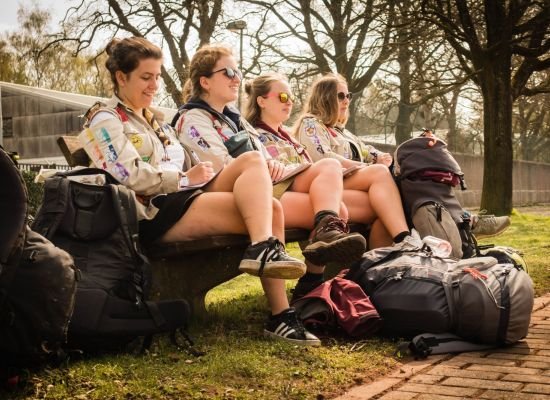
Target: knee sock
322	214
400	236
311	277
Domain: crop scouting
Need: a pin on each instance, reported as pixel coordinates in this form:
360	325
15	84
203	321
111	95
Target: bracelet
184	181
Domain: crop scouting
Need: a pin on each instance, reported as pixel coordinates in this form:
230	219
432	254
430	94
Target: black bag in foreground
37	282
477	299
97	224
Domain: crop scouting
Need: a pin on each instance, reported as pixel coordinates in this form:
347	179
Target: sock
400	236
322	214
311	277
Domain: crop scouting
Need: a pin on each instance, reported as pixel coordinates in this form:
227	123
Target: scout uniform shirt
145	157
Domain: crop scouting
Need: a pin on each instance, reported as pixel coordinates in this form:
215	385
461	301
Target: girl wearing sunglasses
128	138
320	128
311	199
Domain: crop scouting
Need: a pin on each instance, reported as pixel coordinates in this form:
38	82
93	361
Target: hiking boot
330	241
487	225
303	288
287	326
270	260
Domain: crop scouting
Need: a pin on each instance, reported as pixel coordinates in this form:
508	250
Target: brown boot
330	241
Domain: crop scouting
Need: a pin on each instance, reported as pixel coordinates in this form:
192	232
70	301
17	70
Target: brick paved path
519	372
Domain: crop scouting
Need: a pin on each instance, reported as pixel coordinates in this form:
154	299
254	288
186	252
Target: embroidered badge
145	158
122	114
193	133
120	172
203	144
111	154
309	127
103	136
137	141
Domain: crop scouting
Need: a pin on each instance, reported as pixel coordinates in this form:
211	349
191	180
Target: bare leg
383	196
379	236
248	178
323	182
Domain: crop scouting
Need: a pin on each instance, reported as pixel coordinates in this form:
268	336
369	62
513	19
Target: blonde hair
202	64
254	88
322	101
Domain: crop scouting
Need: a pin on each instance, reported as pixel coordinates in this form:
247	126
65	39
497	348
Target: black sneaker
330	241
303	288
287	326
269	259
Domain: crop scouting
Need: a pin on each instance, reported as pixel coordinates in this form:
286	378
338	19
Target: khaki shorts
280	188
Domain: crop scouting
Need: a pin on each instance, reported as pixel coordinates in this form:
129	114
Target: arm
196	131
110	149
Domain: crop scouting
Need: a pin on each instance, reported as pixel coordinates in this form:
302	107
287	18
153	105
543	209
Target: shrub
35	191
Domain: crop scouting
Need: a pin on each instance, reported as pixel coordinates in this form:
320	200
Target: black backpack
426	173
97	224
37	282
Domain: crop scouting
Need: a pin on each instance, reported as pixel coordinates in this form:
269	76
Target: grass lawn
239	363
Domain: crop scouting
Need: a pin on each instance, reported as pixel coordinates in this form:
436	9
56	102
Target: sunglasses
229	72
284	97
342	96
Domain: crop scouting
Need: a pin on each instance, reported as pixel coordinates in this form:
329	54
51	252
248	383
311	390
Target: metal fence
37	167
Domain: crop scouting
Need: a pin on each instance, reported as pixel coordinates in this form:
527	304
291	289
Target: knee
344	213
250	157
328	166
277	210
380	171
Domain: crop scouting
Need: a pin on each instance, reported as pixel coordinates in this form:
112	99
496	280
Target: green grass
239	363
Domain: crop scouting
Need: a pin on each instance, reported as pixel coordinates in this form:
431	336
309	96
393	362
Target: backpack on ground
94	219
426	173
37	281
338	304
477	299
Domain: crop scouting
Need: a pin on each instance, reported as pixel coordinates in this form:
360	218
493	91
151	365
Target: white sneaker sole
310	342
343	251
278	270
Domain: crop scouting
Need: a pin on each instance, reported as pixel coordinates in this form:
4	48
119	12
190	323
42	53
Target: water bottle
440	248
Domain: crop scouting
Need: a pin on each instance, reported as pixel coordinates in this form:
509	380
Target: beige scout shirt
198	131
129	149
321	141
359	151
280	149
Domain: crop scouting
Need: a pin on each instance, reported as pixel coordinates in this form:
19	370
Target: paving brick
540	321
424	378
504	369
540	329
437	389
546	373
535	340
370	390
536	388
543	352
437	397
527	378
485	361
414	367
398	395
518	349
444	370
521	357
501	395
481	383
540	346
537	364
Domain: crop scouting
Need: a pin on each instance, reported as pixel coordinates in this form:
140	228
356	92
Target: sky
8	16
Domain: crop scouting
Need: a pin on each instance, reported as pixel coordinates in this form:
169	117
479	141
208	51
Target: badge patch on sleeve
137	141
196	136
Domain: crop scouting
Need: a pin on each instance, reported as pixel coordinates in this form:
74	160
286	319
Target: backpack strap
125	209
421	346
54	205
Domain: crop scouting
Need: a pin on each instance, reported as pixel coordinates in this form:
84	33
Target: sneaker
487	225
269	259
330	241
287	326
303	288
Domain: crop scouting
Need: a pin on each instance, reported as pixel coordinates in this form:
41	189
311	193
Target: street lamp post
238	26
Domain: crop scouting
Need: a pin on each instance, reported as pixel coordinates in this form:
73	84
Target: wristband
184	181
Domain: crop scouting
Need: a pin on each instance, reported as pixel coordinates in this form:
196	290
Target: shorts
280	188
172	207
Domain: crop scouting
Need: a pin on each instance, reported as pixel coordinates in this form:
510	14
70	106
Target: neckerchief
284	135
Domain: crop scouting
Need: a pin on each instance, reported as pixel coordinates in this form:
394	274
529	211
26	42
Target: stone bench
190	269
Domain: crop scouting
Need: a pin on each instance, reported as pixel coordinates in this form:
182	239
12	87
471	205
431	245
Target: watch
184	181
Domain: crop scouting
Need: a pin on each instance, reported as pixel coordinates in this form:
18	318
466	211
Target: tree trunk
497	122
403	125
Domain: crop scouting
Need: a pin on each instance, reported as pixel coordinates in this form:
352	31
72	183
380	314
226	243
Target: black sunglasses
342	96
229	72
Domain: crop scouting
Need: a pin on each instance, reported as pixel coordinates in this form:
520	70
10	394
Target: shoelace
293	321
336	224
272	244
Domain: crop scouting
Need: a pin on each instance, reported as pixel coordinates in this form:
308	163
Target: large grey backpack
477	299
427	175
